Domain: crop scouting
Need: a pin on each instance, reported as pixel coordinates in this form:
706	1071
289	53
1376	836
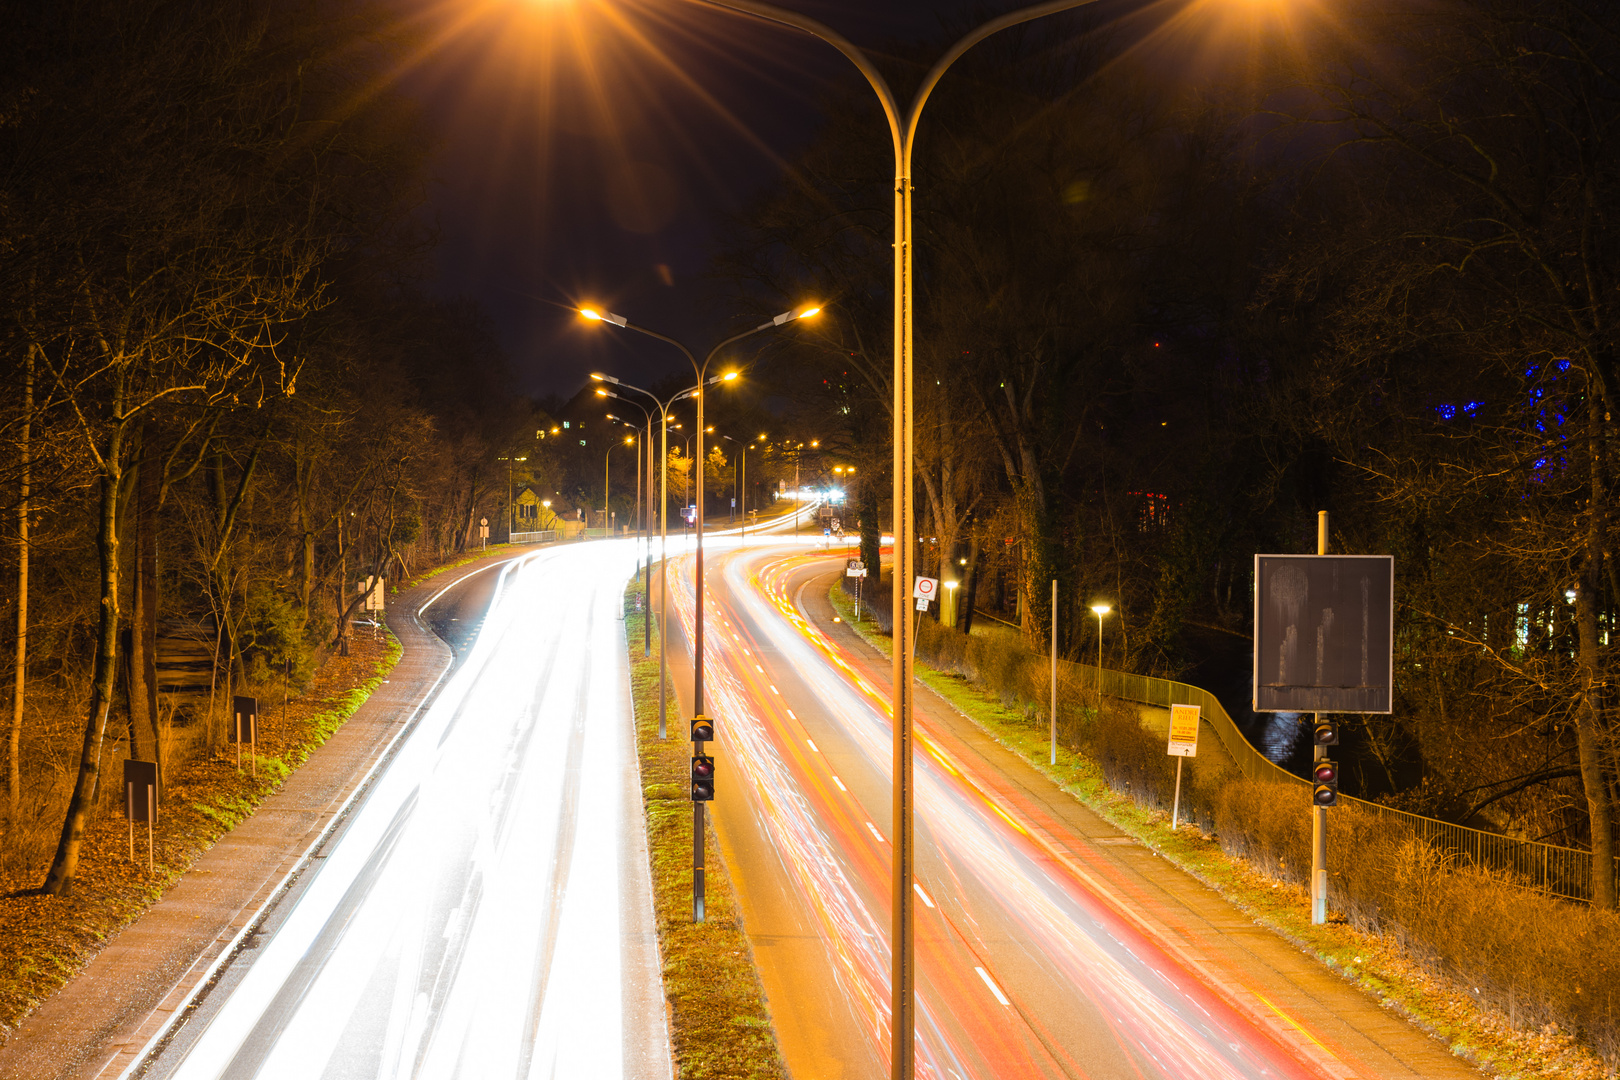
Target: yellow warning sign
1184	730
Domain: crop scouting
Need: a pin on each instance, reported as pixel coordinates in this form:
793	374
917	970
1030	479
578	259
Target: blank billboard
1323	632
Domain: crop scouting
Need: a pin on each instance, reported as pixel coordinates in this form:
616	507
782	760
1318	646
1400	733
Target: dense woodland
225	404
1167	312
1166	317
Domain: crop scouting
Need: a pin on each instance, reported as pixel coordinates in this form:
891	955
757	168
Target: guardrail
1560	871
544	536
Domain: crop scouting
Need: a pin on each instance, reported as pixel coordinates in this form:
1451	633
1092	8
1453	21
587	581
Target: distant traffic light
1325	788
702	729
702	778
1326	734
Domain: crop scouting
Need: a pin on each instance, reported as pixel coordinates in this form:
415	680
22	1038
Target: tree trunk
1588	717
20	670
871	535
970	587
65	865
306	532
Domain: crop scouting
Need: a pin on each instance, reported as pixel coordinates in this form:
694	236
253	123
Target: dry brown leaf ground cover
44	940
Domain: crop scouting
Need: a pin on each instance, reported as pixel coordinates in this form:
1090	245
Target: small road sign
854	568
926	588
1184	730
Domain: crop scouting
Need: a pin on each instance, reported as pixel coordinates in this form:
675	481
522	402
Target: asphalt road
1048	944
487	911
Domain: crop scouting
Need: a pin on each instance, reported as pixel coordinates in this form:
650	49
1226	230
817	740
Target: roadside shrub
1535	960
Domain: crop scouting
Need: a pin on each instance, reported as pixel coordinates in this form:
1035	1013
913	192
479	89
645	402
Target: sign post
1183	744
140	803
483	534
246	730
1324	630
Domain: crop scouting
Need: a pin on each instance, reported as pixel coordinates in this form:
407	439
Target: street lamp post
902	133
663	531
643	514
701	371
1099	610
607	457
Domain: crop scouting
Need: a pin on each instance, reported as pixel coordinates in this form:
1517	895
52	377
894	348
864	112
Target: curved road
1048	944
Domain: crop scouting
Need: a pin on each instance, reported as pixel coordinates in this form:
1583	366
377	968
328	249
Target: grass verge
44	940
719	1023
1388	969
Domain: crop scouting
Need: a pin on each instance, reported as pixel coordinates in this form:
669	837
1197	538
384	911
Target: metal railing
544	536
1560	871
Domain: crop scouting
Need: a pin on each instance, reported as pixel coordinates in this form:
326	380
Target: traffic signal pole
1319	813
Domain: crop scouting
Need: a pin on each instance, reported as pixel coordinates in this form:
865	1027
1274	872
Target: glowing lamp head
728	376
1100	610
598	315
809	311
601	392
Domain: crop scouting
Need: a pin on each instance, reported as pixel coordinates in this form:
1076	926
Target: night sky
590	150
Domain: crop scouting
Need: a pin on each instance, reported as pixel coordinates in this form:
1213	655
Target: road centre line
873	829
840	783
918	886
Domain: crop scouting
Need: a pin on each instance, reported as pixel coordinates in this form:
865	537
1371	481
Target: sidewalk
96	1024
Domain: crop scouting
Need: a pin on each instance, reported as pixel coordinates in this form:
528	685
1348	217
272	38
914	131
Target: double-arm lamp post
739	482
902	133
701	371
663	408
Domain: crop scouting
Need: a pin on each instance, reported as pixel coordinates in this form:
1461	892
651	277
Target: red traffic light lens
702	778
1326	772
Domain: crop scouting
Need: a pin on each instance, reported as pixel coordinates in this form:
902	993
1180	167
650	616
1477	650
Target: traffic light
702	778
702	729
1326	734
1325	786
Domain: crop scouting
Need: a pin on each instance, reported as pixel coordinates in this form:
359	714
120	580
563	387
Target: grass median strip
720	1024
1388	969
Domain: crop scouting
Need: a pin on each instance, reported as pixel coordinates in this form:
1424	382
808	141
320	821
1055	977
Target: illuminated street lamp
804	311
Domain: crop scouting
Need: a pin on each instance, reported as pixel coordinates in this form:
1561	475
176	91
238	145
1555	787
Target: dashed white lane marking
873	828
991	983
918	886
